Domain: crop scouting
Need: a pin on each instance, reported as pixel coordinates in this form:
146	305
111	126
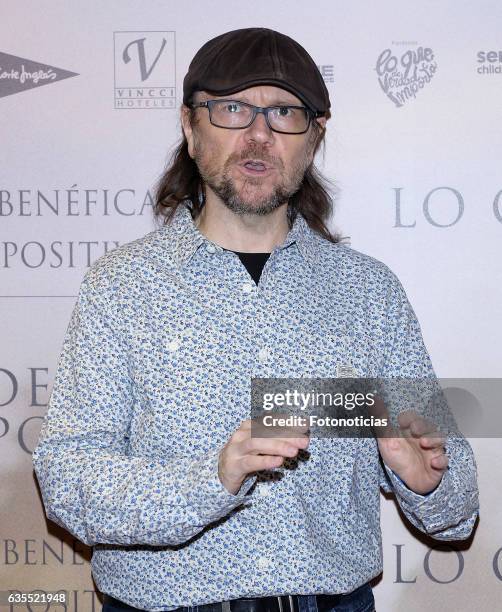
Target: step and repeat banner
89	112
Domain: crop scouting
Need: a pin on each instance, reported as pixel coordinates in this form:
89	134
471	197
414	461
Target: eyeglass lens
234	115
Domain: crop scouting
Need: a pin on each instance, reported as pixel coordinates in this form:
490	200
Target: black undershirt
253	262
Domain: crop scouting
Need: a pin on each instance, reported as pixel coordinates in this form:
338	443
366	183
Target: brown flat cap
244	58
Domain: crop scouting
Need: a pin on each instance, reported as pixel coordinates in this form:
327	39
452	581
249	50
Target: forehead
262	95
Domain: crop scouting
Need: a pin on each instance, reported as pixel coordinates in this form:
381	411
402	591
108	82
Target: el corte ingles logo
19	74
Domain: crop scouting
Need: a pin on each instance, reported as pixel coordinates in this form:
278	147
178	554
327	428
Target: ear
316	136
321	121
187	129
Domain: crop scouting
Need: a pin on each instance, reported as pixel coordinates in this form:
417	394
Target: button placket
246	287
264	490
263	563
267	270
173	344
263	354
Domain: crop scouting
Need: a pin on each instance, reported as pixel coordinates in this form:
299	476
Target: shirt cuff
206	491
404	491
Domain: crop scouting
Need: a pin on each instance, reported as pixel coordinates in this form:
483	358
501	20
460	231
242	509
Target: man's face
220	153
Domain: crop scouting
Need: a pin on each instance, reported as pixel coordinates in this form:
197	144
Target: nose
259	131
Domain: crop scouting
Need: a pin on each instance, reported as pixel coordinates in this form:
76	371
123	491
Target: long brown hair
181	181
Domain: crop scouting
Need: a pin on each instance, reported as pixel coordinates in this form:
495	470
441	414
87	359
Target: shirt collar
184	238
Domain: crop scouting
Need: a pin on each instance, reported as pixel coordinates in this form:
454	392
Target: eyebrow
238	98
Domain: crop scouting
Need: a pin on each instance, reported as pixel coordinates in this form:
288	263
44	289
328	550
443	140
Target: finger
287	434
406	418
432	442
256	463
270	446
414	425
379	411
279	431
421	426
290	430
440	462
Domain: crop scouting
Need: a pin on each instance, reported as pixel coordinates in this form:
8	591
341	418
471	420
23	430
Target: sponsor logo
145	70
403	74
490	62
18	74
327	72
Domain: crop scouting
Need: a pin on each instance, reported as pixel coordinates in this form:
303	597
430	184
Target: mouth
255	167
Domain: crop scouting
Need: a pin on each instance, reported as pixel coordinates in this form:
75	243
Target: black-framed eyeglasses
236	115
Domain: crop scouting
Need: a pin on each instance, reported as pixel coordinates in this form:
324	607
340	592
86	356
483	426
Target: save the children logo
19	74
402	74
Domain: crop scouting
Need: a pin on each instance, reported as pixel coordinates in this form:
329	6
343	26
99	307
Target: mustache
254	154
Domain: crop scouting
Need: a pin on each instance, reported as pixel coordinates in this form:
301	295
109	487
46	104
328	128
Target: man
147	453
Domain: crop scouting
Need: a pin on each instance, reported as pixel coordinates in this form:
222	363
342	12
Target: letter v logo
140	43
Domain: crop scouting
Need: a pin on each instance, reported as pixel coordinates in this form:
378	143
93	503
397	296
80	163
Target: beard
252	197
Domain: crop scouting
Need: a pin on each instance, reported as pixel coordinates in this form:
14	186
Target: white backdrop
419	188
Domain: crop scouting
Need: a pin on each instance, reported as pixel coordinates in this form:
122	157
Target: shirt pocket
361	351
332	351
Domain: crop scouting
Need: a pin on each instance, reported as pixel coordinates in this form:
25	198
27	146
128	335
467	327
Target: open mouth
255	168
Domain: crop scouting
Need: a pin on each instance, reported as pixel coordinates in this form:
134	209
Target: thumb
379	411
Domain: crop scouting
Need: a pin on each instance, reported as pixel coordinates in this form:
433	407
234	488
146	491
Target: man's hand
243	454
415	452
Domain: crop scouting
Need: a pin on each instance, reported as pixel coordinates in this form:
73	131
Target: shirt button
263	354
264	491
210	248
246	287
263	562
173	345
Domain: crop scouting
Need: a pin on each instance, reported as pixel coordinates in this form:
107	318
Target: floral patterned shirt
153	378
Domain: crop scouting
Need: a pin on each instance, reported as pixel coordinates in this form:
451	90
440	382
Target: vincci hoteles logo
145	70
404	69
18	74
